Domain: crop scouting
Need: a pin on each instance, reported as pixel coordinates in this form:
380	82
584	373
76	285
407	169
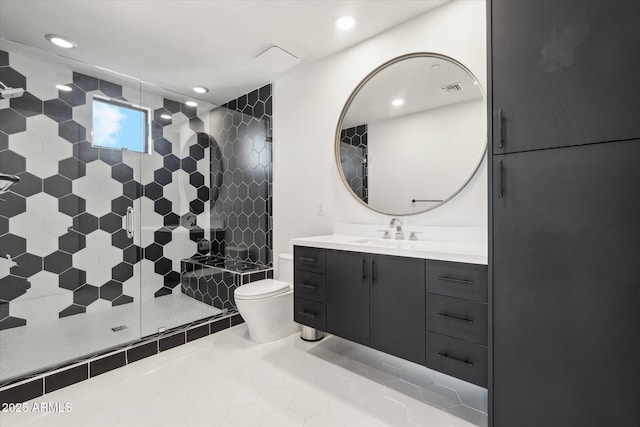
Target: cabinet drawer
458	280
309	259
310	313
458	358
310	285
457	317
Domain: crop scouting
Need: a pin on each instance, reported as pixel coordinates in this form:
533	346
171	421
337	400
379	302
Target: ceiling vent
451	88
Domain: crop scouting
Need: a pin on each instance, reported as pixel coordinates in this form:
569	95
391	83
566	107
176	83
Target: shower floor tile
227	380
37	346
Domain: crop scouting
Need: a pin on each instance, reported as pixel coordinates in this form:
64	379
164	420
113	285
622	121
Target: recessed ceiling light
165	116
397	102
200	89
64	88
60	41
475	82
191	104
345	22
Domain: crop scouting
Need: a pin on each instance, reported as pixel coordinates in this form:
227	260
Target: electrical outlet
320	208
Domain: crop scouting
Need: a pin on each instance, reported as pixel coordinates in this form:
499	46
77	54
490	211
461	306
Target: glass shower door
68	247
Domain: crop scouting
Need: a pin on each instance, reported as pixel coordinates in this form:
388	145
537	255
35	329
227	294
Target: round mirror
412	134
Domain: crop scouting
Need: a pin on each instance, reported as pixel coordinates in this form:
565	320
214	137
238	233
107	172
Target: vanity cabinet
378	301
456	320
429	312
309	287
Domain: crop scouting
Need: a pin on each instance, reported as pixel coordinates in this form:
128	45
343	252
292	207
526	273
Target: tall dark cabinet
565	213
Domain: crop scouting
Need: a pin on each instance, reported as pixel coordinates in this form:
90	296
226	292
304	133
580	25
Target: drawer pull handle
459	319
457	359
307	259
307	314
304	285
454	280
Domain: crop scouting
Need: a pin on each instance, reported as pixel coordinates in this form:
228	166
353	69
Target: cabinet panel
458	318
348	295
310	313
309	259
563	72
397	294
309	285
457	358
458	280
566	298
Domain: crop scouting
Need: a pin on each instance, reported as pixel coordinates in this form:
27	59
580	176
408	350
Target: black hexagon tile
72	205
27	265
72	242
28	105
57	262
75	97
57	186
72	131
72	168
72	279
58	110
12	246
84	152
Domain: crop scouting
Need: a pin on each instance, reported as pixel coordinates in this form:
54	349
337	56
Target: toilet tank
285	268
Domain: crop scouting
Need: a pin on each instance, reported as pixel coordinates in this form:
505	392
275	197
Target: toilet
267	305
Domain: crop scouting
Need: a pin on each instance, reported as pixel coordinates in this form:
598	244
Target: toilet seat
261	289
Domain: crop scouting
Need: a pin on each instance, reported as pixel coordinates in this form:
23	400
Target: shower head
7	92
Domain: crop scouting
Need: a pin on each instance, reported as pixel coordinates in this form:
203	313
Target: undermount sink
389	243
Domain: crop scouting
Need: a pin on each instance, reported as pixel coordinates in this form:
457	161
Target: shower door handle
129	222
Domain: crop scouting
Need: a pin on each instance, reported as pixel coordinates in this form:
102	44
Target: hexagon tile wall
353	157
241	211
62	227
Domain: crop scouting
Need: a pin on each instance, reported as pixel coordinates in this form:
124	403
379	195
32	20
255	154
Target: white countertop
472	252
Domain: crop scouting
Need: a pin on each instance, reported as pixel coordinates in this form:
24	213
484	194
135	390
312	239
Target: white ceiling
177	44
417	82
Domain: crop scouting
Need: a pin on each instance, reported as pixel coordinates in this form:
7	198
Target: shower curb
36	385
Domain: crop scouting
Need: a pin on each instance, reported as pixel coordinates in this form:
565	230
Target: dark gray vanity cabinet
378	301
348	295
456	320
564	256
309	287
563	72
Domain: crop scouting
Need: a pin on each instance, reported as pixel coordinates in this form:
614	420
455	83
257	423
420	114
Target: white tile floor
227	380
40	344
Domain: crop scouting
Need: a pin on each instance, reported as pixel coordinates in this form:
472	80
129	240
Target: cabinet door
564	71
397	314
566	290
348	295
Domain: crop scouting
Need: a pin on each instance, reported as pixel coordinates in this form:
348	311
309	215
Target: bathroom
127	271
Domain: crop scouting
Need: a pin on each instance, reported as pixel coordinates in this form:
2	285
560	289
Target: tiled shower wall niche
241	214
62	225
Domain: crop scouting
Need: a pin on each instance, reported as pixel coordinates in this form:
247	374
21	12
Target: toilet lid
261	289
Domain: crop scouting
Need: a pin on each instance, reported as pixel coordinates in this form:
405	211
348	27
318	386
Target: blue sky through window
119	126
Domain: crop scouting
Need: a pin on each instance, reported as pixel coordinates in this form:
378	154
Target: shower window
120	125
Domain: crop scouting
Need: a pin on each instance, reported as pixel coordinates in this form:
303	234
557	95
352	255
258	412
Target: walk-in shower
109	189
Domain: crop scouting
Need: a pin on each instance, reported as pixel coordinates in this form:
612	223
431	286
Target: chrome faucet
395	222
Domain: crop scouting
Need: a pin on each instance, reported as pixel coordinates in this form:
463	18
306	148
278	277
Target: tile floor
226	380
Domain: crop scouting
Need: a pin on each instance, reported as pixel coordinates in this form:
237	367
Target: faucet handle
386	234
413	235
